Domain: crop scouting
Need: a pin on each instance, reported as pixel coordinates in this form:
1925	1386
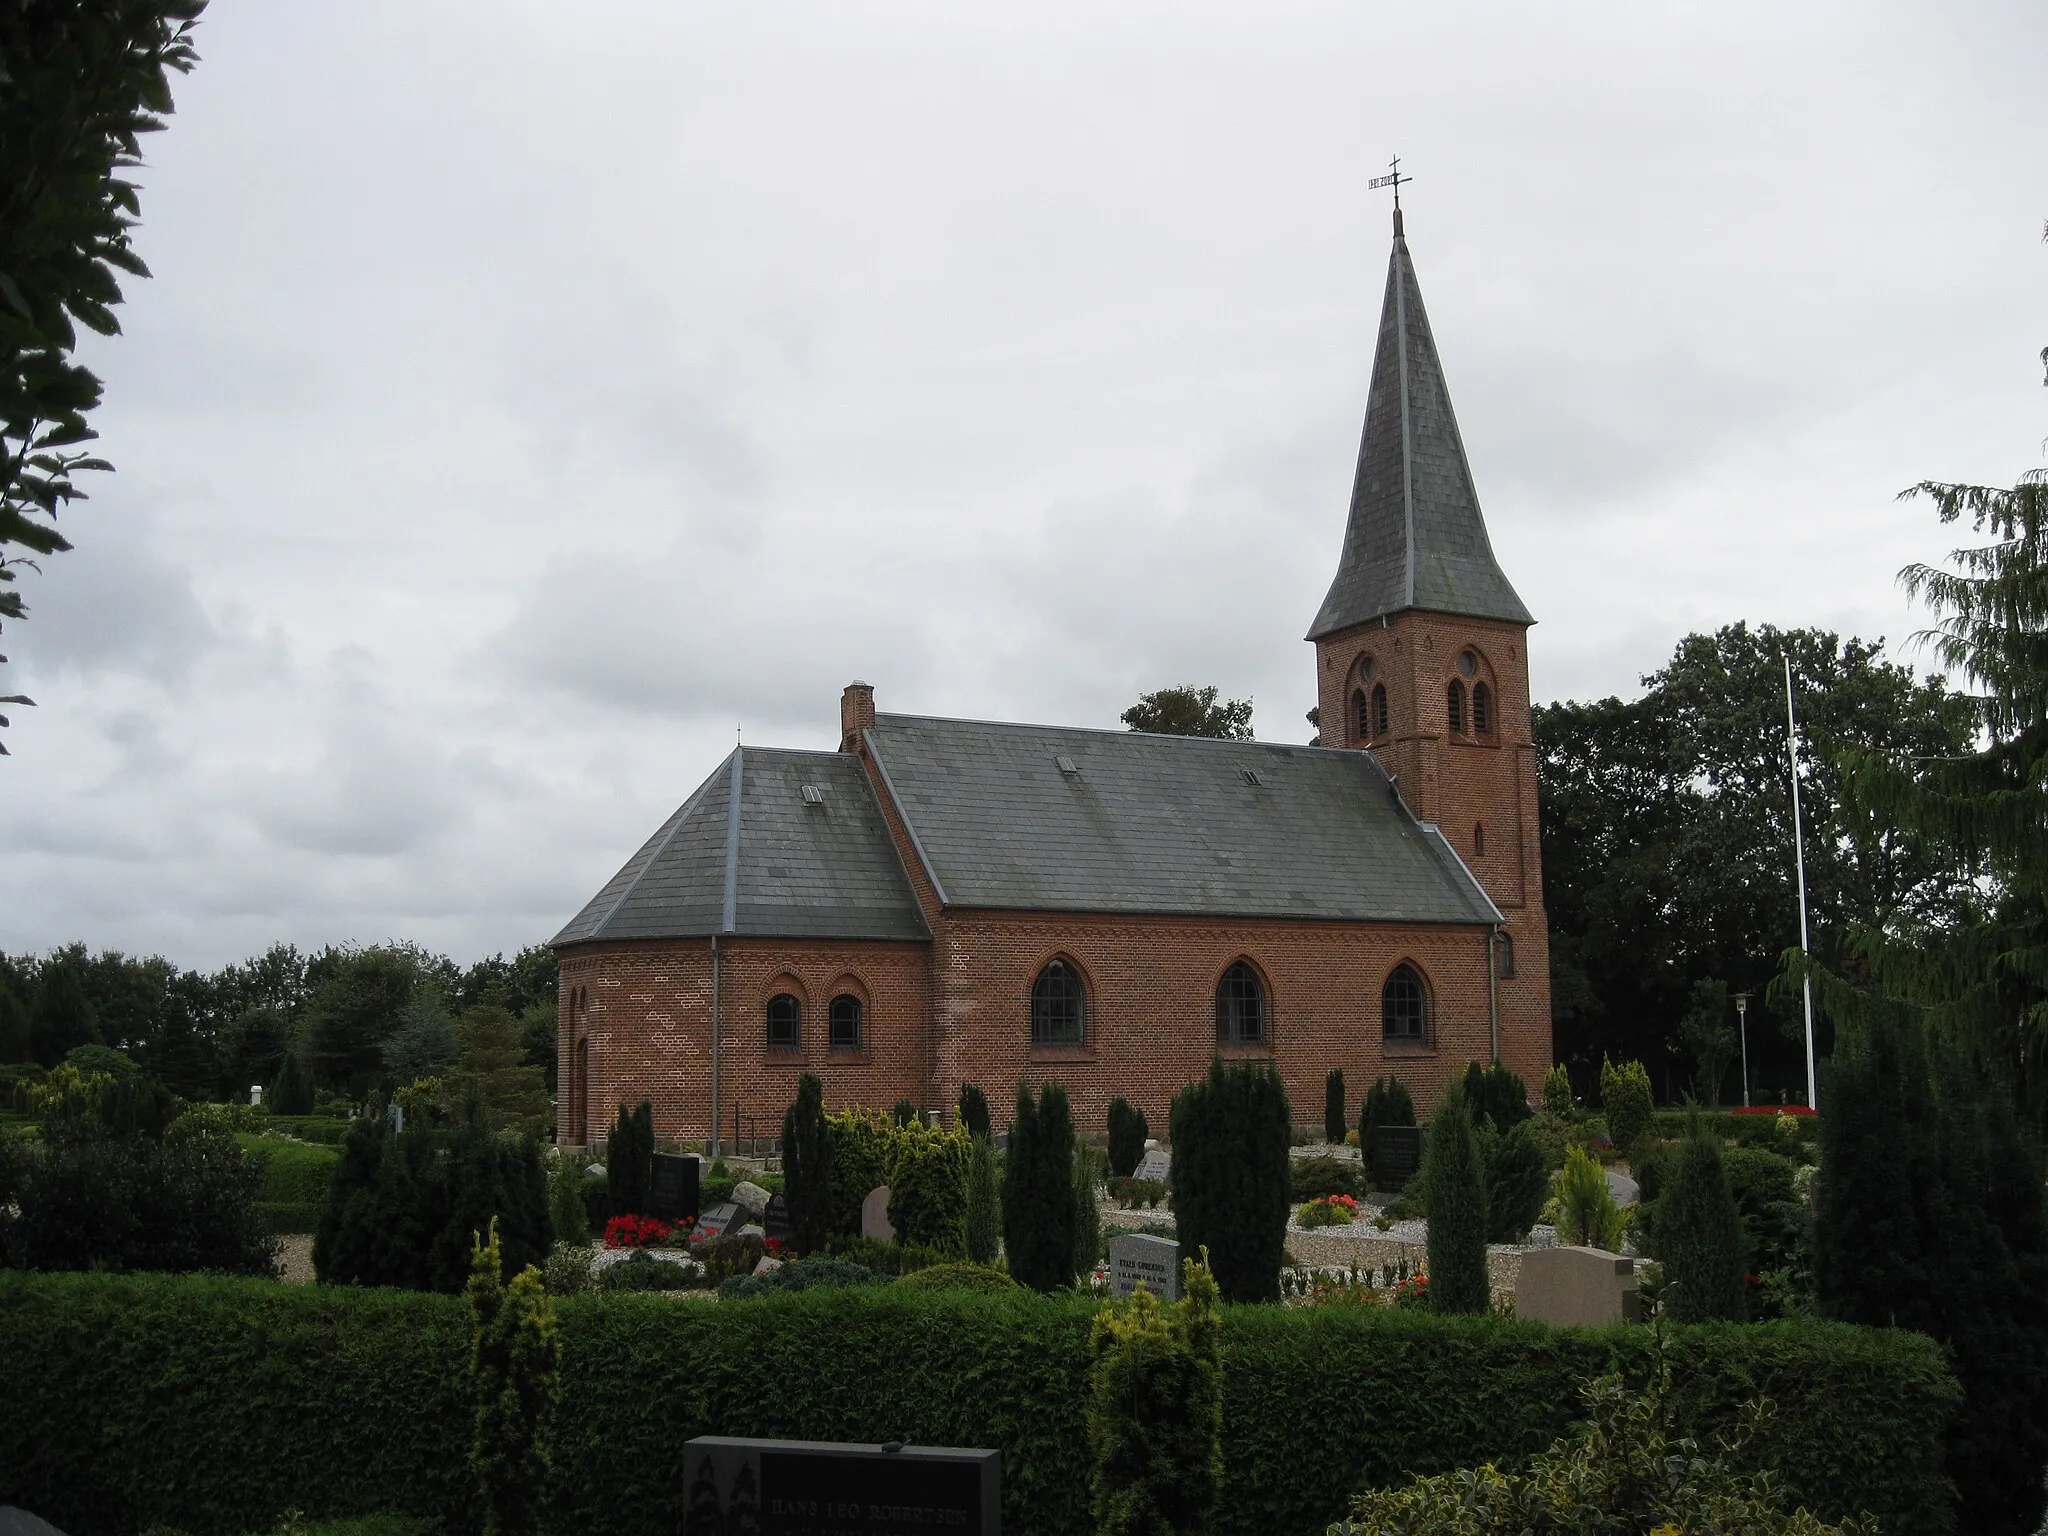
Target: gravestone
255	1095
874	1216
714	1222
672	1193
750	1197
1626	1191
1155	1165
1396	1156
775	1221
394	1116
767	1265
1577	1287
818	1488
1140	1256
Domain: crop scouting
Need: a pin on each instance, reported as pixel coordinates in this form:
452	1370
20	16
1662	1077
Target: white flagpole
1799	858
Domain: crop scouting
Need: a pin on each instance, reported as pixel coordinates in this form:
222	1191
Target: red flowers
635	1232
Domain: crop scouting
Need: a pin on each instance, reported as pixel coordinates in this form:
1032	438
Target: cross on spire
1393	179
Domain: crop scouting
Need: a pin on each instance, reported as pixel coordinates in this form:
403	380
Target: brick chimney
856	714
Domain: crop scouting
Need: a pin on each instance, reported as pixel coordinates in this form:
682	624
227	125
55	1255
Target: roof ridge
1117	735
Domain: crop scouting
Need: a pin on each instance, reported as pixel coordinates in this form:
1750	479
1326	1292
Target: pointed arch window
1404	1007
1482	710
842	1023
785	1022
1503	954
1059	1006
1361	714
1479	838
1379	709
1240	1006
1454	700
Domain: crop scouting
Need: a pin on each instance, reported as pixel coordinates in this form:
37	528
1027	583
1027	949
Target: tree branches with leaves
1191	711
80	82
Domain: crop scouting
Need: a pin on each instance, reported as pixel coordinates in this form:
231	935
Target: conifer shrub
984	1203
1454	1198
513	1365
1516	1175
292	1093
1334	1121
405	1208
1931	1216
972	1112
864	1151
1557	1092
1387	1102
1311	1178
1088	1244
807	1166
1155	1412
905	1112
1698	1235
1497	1094
928	1187
1627	1103
629	1160
1587	1216
567	1213
1231	1176
960	1277
1038	1191
1127	1136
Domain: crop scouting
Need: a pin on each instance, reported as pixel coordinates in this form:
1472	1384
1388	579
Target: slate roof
1164	824
1415	537
781	868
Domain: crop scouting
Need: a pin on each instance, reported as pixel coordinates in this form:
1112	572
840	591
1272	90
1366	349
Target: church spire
1415	538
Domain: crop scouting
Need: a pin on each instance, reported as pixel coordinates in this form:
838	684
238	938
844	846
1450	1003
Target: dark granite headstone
714	1222
673	1192
776	1221
819	1488
1396	1155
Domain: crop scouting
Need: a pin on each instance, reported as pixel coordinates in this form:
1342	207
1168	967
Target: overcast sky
529	396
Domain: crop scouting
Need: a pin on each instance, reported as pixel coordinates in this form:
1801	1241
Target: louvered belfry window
1361	715
1379	709
1059	1006
1482	709
1455	704
1240	1007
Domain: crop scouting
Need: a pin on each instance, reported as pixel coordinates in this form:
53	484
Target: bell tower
1422	646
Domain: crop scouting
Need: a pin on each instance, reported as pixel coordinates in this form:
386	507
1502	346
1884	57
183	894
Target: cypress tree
1087	1214
1232	1186
973	1110
1454	1197
984	1205
905	1112
1517	1178
807	1166
1038	1190
1334	1121
513	1364
1699	1233
1931	1216
629	1160
335	1239
1127	1133
1495	1093
292	1093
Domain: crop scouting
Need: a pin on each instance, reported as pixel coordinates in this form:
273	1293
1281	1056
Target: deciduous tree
1191	711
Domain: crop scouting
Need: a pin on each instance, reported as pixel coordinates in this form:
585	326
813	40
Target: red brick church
943	902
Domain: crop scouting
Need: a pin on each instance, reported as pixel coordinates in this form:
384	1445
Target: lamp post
1742	1023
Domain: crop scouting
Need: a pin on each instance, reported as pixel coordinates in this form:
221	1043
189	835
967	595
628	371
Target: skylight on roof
813	795
1066	765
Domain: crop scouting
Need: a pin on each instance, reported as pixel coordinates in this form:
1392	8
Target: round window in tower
1468	663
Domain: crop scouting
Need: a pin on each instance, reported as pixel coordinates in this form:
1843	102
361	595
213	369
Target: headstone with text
1155	1165
821	1488
775	1221
673	1191
714	1222
1396	1155
1139	1256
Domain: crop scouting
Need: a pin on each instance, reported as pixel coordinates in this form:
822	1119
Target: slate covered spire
1415	538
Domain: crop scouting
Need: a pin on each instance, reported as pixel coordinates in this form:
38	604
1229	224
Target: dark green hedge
295	1180
213	1405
